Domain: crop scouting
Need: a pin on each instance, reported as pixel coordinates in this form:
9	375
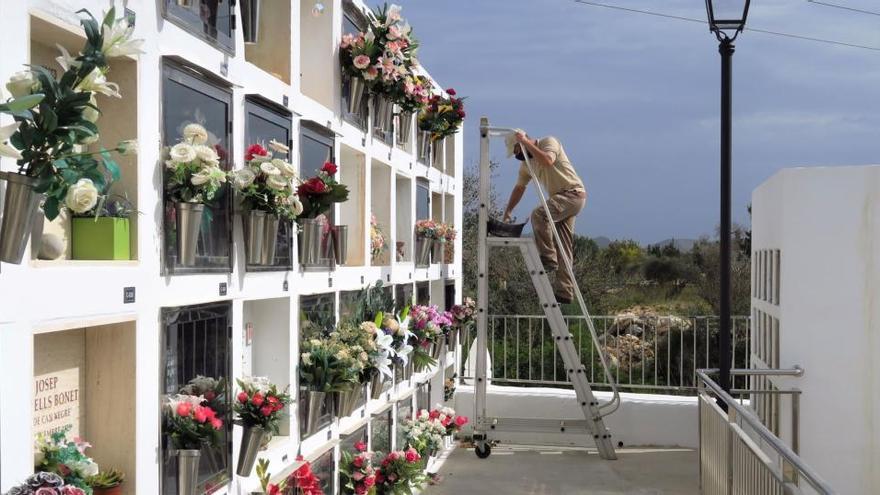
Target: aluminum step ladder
593	410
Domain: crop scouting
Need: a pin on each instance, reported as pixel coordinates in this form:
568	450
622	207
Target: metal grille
714	445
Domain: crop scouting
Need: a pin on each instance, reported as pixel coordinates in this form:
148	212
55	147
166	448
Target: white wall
826	224
642	420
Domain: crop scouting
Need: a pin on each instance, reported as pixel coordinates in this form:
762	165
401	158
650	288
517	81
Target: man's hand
521	138
506	218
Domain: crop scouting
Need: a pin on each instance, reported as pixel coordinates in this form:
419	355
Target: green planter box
104	238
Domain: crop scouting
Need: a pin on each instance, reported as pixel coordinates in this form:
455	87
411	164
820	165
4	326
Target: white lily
97	82
117	39
7	149
65	60
383	364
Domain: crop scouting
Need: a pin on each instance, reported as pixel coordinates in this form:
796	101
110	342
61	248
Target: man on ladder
567	197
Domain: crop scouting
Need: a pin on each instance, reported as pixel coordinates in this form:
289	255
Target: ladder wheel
484	451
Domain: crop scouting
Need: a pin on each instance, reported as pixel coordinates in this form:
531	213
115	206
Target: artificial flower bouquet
443	115
363	343
448	419
45	483
396	327
357	471
318	193
427	326
56	118
260	403
189	423
400	473
384	54
427	229
378	243
463	315
193	172
67	458
424	432
327	365
268	183
449	234
212	390
412	93
302	481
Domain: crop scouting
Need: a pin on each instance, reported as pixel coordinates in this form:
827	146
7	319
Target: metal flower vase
20	211
437	249
189	221
377	385
356	87
250	20
436	153
424	148
270	240
404	126
423	250
188	471
340	243
313	404
251	440
452	337
437	349
309	241
255	226
345	402
384	113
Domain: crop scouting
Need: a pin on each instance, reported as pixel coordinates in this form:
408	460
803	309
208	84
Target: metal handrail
758	427
614	402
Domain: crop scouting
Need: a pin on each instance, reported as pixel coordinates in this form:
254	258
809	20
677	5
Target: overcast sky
634	99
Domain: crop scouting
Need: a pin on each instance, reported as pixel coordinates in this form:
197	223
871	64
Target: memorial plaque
56	402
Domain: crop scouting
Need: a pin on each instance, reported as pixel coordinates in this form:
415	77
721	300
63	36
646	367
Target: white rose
277	182
206	154
244	177
269	169
296	205
82	196
195	134
183	153
286	169
22	83
201	177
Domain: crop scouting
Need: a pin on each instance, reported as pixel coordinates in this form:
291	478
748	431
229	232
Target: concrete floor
552	471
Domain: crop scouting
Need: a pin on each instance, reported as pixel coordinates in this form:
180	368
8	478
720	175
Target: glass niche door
190	99
265	123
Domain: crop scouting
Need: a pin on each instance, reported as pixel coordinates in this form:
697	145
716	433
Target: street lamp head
727	18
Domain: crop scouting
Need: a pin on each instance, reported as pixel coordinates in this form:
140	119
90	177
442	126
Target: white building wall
825	222
43	297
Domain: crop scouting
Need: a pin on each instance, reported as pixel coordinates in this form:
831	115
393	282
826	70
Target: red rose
411	456
242	397
358	462
370	481
184	409
329	168
312	186
360	490
394	456
379	477
209	413
461	114
450	92
360	446
255	149
273	490
266	410
461	420
257	399
200	415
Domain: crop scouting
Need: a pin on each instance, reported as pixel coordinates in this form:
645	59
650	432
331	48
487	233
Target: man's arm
544	158
515	195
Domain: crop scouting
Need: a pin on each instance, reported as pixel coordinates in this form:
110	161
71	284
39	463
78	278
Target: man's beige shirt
556	178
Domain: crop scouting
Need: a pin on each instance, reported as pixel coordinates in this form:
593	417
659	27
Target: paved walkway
552	471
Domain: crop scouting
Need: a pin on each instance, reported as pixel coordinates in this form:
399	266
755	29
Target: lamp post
727	18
